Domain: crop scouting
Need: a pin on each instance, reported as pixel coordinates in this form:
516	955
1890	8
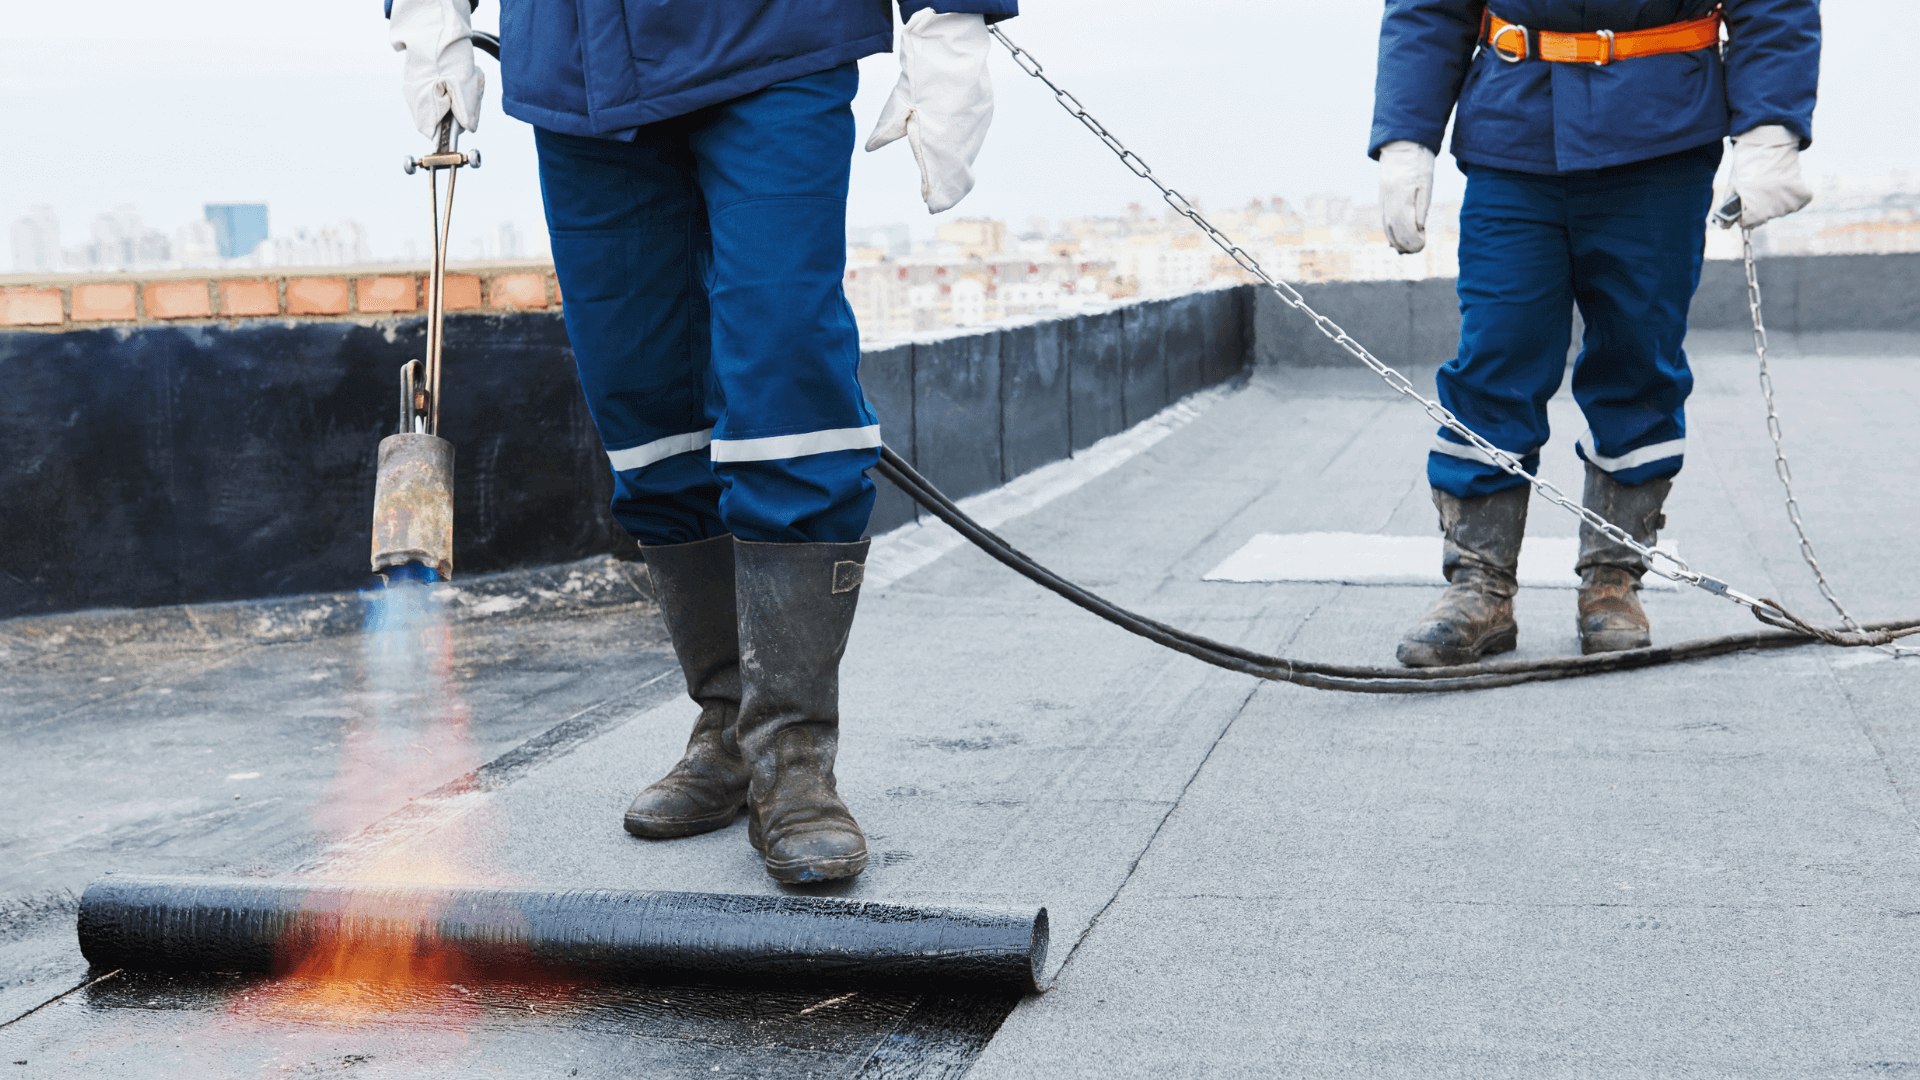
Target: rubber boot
1611	617
693	584
1474	617
796	608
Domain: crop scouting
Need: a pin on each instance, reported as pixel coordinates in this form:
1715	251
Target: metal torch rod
437	277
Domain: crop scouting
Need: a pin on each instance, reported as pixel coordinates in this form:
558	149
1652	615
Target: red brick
387	293
30	307
99	302
463	292
556	288
317	296
249	298
519	291
178	300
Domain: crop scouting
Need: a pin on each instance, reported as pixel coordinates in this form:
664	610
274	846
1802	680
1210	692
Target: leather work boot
1474	617
796	608
693	584
1611	617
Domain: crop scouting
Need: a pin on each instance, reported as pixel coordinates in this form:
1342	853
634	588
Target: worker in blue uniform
694	161
1590	134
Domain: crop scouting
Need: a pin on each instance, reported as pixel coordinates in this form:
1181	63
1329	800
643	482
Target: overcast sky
172	105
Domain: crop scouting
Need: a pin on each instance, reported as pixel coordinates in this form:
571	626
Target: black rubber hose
269	926
1365	680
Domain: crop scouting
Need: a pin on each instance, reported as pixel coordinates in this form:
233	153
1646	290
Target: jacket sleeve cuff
1743	123
1382	138
994	10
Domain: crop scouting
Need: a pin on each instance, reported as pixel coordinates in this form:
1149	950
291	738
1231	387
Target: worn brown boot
1474	617
796	609
1611	617
693	584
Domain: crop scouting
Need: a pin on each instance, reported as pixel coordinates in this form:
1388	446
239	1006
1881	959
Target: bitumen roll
270	925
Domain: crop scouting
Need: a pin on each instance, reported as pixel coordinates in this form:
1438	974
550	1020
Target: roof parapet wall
197	459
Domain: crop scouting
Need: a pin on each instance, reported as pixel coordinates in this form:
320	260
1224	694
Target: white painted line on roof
1851	658
1546	562
896	554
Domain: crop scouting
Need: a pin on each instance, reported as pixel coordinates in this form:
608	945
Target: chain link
1676	569
1781	467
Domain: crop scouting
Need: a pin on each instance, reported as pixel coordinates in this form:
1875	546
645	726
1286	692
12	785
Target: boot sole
670	828
1606	643
814	871
1421	654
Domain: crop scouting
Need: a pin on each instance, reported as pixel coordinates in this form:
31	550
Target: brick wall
69	302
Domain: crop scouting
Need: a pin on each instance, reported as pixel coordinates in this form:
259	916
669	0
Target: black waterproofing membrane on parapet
267	925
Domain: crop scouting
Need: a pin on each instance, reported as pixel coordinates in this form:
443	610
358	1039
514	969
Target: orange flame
410	735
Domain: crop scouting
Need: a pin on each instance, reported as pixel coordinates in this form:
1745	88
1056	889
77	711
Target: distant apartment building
120	241
897	297
875	242
508	242
341	244
973	238
1872	216
196	244
975	272
36	241
238	228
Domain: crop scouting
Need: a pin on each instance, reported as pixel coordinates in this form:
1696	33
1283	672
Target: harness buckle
1526	43
1607	34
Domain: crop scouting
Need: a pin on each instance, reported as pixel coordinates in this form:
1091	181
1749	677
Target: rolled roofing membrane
269	925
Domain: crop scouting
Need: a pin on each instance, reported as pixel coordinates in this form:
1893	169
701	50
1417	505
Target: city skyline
228	236
976	269
1227	100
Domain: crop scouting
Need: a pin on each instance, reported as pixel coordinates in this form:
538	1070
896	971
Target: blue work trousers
1624	243
701	266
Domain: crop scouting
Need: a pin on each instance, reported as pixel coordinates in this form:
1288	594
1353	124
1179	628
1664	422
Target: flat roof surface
1703	869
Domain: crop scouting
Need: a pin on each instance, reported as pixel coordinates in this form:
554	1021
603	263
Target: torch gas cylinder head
413	503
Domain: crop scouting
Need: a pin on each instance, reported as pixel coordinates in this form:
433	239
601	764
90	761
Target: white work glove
437	36
942	103
1406	190
1766	175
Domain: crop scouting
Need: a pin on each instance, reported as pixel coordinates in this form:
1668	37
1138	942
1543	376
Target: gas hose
1361	680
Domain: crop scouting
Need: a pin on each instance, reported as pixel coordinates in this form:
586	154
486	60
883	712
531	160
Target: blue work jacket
605	67
1540	116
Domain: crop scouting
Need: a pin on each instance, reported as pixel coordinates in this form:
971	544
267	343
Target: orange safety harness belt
1513	43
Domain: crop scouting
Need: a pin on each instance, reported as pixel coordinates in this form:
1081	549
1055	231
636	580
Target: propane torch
413	491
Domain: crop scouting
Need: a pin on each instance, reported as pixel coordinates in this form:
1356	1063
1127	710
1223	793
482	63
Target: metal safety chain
1781	468
1767	611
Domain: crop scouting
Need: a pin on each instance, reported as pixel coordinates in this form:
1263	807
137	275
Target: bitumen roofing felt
1705	869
